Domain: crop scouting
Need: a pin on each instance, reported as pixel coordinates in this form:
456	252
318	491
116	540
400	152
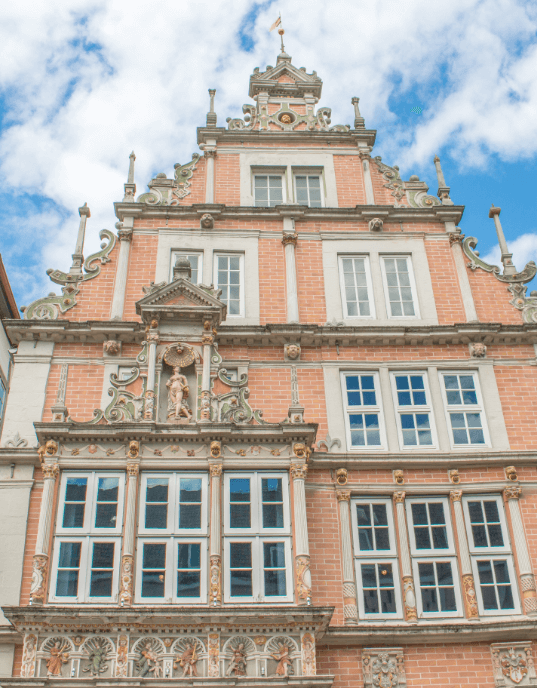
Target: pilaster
40	567
289	242
350	611
409	594
125	237
527	579
215	592
468	583
299	472
127	559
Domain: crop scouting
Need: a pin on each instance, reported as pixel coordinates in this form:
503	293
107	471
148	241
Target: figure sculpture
237	666
177	394
188	661
285	665
97	657
148	663
57	658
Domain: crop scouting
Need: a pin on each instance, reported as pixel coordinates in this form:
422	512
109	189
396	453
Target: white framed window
229	277
491	554
363	411
430	526
195	258
356	287
257	531
437	584
90	503
269	190
375	552
308	189
399	287
85	569
171	563
415	420
464	409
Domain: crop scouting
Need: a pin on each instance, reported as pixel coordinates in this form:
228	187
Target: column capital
455	495
343	495
456	238
209	153
153	337
216	470
207	339
399	497
298	471
512	493
290	239
51	471
132	469
124	234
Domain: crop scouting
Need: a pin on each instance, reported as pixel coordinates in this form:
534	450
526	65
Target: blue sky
83	82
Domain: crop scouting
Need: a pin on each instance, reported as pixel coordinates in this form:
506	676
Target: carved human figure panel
58	656
285	664
98	650
178	392
188	660
237	666
149	660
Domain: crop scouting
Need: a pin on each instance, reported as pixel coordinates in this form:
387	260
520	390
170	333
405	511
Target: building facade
279	429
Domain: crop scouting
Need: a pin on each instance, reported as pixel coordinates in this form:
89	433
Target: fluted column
127	559
210	155
350	611
409	594
368	182
299	472
215	594
527	579
120	285
289	242
468	583
207	341
41	555
149	409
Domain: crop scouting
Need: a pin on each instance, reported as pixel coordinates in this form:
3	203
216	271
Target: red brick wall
517	386
349	180
309	264
272	287
142	264
491	299
446	287
227	189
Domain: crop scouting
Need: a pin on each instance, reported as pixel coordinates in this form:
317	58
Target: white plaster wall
4	353
27	390
6	659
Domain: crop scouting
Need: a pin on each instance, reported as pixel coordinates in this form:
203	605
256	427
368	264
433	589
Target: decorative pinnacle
443	189
130	186
78	256
359	122
130	178
211	115
507	258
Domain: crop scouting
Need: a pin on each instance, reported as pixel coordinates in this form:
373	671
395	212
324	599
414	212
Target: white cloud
84	82
523	248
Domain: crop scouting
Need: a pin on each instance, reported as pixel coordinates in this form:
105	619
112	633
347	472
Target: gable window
172	543
413	409
399	286
268	190
363	413
464	408
257	552
87	541
195	258
356	289
229	277
491	554
433	557
375	554
308	190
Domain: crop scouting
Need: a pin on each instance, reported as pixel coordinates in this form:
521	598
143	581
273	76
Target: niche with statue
178	385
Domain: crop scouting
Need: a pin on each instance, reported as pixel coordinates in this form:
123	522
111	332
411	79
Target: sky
85	82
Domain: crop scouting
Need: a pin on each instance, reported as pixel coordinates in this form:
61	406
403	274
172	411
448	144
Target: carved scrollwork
163	192
392	178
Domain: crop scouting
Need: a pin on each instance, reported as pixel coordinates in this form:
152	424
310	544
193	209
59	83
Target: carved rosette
409	598
303	578
308	655
214	655
215	592
29	655
470	599
39	578
125	585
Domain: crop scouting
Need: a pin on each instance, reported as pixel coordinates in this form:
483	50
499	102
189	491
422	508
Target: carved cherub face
285	119
293	351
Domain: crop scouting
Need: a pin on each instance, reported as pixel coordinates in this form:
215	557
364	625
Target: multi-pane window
464	408
268	190
87	543
413	409
308	190
172	547
399	286
492	559
376	559
433	557
361	398
228	269
3	395
196	263
356	290
257	538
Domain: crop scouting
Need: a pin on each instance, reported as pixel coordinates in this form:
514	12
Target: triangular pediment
285	75
181	297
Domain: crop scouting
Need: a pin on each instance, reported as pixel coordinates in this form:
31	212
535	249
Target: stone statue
285	665
188	661
148	663
97	654
177	394
237	666
58	656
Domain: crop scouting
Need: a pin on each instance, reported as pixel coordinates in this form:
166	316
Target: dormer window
268	190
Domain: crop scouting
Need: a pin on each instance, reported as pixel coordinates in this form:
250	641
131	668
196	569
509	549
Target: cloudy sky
84	82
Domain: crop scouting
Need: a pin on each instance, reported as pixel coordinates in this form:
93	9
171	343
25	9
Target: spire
211	115
443	189
78	256
283	56
359	122
130	186
507	258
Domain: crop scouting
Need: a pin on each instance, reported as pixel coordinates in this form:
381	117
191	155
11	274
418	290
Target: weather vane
278	24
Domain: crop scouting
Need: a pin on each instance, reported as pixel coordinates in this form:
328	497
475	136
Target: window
228	276
3	395
413	409
400	289
375	555
356	289
490	551
268	190
196	263
433	557
464	409
361	399
257	538
87	545
308	190
172	547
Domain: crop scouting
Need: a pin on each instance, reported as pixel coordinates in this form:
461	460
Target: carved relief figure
514	665
28	658
285	664
308	655
188	660
237	666
122	656
177	394
97	653
58	657
148	663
